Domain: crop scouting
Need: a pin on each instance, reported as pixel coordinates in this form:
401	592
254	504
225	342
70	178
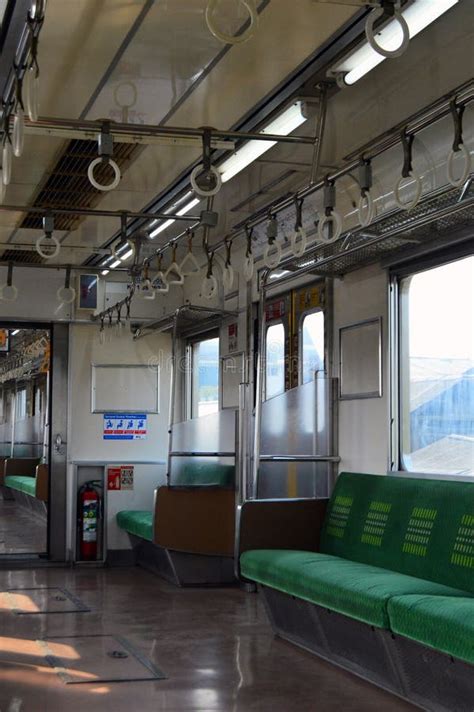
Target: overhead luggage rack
430	220
184	321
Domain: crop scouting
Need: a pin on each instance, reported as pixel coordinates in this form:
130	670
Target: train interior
237	355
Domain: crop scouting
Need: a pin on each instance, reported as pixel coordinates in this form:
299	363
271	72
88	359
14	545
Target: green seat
357	590
440	622
22	484
418	527
202	473
139	523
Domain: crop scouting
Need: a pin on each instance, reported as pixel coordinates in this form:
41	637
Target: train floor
21	531
214	646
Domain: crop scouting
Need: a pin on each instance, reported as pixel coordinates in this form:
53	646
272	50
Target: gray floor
215	646
21	531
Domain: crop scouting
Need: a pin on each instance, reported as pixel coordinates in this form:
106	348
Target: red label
113	478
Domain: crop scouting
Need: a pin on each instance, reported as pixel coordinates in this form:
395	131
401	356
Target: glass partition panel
299	422
213	433
293	479
199	471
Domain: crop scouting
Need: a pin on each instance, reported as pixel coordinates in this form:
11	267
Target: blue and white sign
125	426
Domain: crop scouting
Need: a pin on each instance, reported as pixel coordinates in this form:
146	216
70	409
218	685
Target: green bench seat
22	483
440	622
139	523
357	590
396	553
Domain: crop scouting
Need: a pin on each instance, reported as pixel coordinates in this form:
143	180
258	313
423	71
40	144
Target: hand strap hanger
458	147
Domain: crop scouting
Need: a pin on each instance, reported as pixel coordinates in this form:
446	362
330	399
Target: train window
312	345
20	405
437	369
205	377
275	360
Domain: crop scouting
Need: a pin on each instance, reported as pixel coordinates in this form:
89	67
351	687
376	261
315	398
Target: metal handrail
300	458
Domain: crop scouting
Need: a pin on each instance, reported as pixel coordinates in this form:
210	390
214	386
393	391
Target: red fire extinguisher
89	514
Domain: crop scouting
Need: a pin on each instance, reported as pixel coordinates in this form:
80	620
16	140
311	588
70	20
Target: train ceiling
155	62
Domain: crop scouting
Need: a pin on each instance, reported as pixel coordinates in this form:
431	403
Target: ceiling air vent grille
67	185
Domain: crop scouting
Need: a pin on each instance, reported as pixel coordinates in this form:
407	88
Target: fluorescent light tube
283	125
14	333
115	264
418	16
183	211
105	271
126	256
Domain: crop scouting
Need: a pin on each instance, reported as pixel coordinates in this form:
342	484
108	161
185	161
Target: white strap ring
375	15
249	267
333	219
147	291
458	182
299	234
209	287
366	209
233	39
7	153
100	186
18	133
53	241
199	191
66	295
8	293
32	94
228	277
272	255
166	287
189	257
418	188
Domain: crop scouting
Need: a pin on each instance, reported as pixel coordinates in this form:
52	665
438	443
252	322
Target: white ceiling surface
170	50
168	53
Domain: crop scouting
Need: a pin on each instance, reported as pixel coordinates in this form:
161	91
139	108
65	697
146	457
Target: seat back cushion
202	473
419	527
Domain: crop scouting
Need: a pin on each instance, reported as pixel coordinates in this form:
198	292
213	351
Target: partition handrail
300	458
203	453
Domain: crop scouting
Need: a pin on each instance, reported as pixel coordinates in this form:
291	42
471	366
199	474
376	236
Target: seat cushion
441	622
22	483
357	590
419	527
139	523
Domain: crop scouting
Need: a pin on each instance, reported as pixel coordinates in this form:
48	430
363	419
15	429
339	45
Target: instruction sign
120	477
125	426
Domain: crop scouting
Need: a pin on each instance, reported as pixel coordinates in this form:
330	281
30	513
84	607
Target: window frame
302	317
397	273
268	326
191	343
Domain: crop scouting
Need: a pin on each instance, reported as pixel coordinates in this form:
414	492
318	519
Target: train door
294	339
294	423
33	412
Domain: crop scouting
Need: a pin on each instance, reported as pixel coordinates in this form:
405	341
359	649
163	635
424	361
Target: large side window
205	377
275	360
312	345
437	369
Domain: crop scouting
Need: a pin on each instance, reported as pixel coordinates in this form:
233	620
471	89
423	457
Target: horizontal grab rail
299	458
196	453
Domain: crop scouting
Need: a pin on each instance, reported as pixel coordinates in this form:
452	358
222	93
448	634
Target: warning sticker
125	426
120	477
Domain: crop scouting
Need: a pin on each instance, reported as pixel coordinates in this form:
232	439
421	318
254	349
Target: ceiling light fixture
282	125
418	16
183	211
